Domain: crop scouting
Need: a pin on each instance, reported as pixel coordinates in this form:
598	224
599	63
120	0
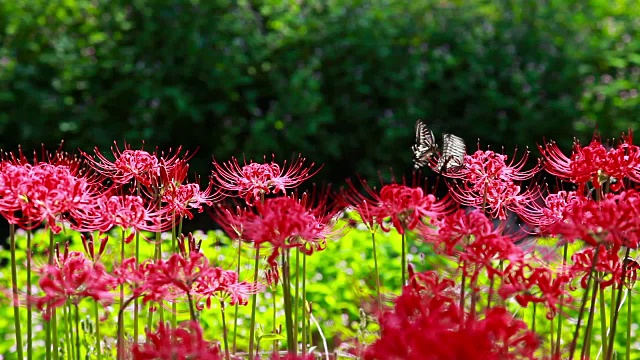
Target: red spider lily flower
286	223
252	181
594	163
554	207
609	264
230	218
408	206
178	274
537	285
472	237
138	165
488	182
33	194
222	285
74	278
614	220
127	212
426	316
182	198
405	206
276	356
183	343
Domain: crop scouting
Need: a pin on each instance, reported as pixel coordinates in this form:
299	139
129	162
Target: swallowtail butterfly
425	148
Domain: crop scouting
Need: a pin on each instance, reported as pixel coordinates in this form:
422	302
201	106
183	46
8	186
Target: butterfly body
425	148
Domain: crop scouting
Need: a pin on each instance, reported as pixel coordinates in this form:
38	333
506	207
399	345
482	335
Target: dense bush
341	81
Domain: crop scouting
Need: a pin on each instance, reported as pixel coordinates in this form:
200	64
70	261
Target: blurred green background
341	81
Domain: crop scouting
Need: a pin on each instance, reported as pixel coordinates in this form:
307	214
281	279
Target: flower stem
603	318
136	303
377	274
462	293
192	310
286	287
586	348
616	309
296	303
174	305
629	321
224	332
54	320
404	262
98	340
305	328
14	289
235	320
68	331
583	304
254	299
120	332
29	311
77	333
121	328
559	333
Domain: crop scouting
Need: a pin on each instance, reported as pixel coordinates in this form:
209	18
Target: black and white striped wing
425	146
453	152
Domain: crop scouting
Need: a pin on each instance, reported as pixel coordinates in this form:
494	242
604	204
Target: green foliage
341	81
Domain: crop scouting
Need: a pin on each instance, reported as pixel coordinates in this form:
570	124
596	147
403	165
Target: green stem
584	303
235	320
275	311
67	330
296	302
404	263
305	329
377	274
77	333
69	326
533	318
551	333
462	284
254	299
120	330
616	310
54	316
174	305
629	321
603	318
559	333
286	288
29	310
586	349
224	332
14	290
136	303
98	340
192	310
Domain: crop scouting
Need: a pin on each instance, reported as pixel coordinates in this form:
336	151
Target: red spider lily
552	212
522	279
426	316
609	264
286	223
33	194
223	284
74	278
488	182
230	218
181	199
183	343
614	220
138	165
127	212
138	278
276	356
406	206
473	238
594	163
252	181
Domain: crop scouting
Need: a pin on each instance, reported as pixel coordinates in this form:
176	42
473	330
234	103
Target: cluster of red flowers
427	323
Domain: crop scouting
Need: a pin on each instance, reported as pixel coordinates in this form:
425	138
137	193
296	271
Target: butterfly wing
425	146
453	152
